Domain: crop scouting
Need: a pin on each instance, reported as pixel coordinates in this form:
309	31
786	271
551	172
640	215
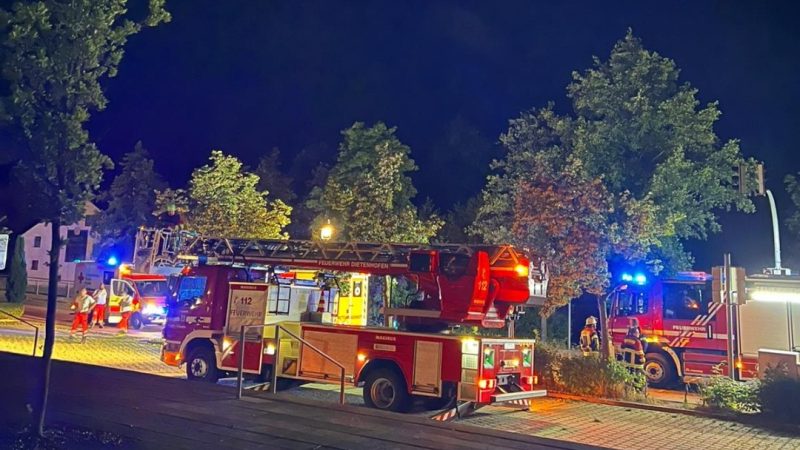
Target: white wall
37	255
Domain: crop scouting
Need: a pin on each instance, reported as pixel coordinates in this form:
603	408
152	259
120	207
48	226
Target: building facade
78	245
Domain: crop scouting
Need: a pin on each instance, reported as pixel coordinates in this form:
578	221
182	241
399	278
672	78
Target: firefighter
633	350
125	309
82	304
590	342
634	323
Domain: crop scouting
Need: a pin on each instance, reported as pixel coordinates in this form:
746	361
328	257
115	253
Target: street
580	422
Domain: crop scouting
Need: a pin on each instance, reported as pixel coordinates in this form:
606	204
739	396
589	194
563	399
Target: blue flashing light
112	261
627	277
640	279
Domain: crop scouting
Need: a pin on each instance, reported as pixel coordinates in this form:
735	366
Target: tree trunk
605	339
544	329
49	327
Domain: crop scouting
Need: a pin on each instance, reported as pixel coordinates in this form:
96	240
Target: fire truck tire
201	365
385	389
659	370
136	321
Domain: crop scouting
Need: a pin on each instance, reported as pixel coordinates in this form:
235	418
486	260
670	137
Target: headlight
153	310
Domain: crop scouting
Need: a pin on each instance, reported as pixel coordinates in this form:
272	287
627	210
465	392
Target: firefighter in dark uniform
633	350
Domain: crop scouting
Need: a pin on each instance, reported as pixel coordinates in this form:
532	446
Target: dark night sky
246	76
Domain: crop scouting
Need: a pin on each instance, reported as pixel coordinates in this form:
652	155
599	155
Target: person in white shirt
82	304
100	297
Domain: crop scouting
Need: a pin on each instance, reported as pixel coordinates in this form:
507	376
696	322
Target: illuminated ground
587	423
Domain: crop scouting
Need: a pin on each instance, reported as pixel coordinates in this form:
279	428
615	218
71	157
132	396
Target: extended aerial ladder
470	284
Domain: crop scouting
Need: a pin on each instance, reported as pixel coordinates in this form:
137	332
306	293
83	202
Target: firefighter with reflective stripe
125	309
590	342
633	350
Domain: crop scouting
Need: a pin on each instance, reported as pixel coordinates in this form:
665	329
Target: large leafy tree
368	192
639	137
224	201
55	55
131	199
273	178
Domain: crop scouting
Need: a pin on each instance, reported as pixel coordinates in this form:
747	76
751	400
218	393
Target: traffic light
760	179
742	177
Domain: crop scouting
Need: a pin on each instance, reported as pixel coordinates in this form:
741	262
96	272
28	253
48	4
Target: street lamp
326	232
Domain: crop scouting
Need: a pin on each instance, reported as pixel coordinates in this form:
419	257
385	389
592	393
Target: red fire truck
692	330
454	285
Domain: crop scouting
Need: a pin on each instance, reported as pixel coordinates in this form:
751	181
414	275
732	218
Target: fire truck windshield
152	288
684	301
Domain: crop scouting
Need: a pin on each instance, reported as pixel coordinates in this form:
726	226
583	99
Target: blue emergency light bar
638	278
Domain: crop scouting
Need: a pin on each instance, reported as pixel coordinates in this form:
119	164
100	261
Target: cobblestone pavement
587	423
139	351
625	428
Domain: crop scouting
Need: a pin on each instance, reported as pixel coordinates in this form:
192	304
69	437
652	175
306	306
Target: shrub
17	281
724	394
779	395
571	372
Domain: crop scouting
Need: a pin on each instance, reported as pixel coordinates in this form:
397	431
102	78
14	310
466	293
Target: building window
77	241
37	242
34	265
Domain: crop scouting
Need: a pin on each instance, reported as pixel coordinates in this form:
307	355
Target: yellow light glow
739	364
125	269
270	349
362	357
522	270
326	232
483	383
651	339
226	343
515	362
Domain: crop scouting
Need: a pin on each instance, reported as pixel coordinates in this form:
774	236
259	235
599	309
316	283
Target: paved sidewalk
157	412
628	428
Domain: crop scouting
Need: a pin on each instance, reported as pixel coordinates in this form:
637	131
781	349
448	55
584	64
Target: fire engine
149	291
692	329
234	283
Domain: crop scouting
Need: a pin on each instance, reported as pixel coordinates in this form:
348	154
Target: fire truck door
427	368
118	289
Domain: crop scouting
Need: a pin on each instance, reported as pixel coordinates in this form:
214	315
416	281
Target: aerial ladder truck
264	287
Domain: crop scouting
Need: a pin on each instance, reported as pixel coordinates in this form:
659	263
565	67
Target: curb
755	421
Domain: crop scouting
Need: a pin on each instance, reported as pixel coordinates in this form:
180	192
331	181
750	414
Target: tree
224	201
17	282
793	189
131	199
457	222
367	194
367	197
638	137
56	53
274	179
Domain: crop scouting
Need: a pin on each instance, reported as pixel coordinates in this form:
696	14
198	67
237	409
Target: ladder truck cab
693	329
149	291
480	286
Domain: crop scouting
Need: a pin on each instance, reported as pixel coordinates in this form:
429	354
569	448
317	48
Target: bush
17	281
571	372
779	395
724	394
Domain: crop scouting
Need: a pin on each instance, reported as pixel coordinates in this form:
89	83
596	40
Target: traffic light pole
776	236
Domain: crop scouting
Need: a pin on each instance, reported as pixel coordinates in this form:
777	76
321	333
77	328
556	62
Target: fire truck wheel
202	365
136	321
659	371
385	389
